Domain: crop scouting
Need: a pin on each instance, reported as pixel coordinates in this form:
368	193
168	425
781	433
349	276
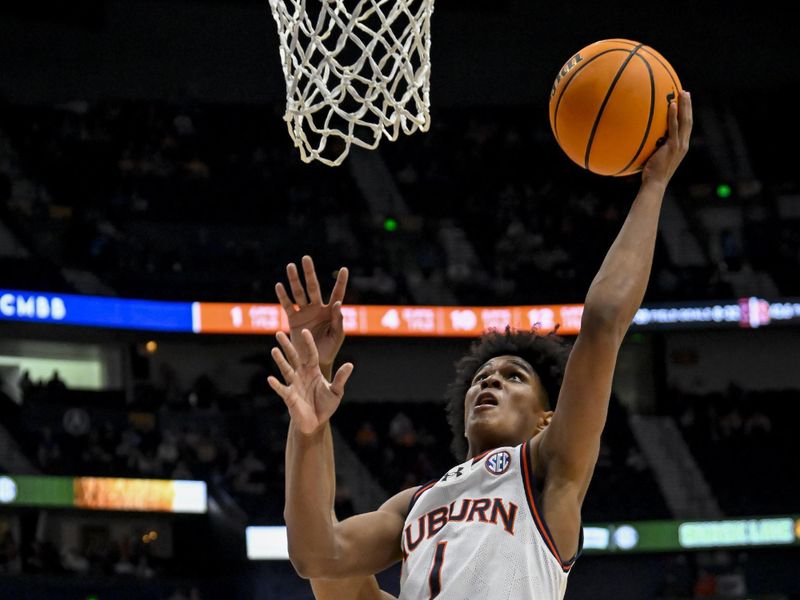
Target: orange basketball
608	105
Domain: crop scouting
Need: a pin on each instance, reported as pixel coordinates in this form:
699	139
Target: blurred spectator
248	475
706	585
757	424
75	562
48	453
41	557
9	550
25	384
732	584
401	431
366	437
167	454
55	383
677	580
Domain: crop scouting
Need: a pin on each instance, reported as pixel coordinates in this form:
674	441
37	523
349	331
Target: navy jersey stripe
531	494
421	490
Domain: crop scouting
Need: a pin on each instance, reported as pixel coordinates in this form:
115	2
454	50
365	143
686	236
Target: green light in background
723	190
92	597
390	225
745	532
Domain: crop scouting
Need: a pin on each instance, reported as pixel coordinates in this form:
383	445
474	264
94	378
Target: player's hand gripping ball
609	103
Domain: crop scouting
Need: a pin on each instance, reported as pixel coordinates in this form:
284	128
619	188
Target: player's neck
478	449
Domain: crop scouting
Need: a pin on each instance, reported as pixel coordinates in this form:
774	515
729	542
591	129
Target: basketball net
353	76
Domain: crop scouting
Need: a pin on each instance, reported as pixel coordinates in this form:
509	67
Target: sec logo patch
498	463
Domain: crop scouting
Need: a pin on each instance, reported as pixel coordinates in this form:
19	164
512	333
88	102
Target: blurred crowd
208	202
197	433
741	440
128	555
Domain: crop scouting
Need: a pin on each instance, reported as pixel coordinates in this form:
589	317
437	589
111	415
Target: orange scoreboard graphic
387	321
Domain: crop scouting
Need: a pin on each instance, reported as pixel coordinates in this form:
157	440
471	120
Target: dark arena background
150	198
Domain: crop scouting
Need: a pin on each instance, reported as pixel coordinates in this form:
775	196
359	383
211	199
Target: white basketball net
353	76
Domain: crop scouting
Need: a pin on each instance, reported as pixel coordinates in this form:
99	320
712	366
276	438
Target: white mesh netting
353	75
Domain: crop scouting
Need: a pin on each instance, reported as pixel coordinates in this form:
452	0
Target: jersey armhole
532	496
421	490
579	551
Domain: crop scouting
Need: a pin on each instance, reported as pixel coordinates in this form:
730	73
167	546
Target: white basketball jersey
478	534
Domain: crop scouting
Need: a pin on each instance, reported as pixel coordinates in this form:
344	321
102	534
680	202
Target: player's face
504	405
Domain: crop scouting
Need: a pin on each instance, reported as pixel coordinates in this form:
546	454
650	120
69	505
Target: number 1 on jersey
435	578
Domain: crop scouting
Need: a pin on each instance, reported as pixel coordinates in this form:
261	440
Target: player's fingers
311	347
673	121
337	295
312	284
283	298
341	377
685	115
337	320
283	365
297	287
288	349
280	389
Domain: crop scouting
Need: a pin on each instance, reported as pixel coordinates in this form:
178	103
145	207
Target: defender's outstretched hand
311	400
308	311
662	164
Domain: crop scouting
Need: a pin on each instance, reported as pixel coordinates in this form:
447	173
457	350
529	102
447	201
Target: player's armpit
365	544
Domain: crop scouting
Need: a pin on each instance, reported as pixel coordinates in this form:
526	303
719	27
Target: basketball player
324	321
505	523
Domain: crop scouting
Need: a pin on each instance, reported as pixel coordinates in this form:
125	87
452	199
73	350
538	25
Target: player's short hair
547	354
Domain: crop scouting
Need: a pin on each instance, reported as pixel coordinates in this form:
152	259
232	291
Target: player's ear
543	420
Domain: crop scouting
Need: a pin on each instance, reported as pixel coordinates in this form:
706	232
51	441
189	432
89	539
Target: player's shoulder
537	463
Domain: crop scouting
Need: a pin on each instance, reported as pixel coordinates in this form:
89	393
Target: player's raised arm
361	587
570	447
318	547
307	310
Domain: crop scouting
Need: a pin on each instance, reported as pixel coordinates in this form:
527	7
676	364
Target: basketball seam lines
666	68
650	116
605	102
653	54
568	81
